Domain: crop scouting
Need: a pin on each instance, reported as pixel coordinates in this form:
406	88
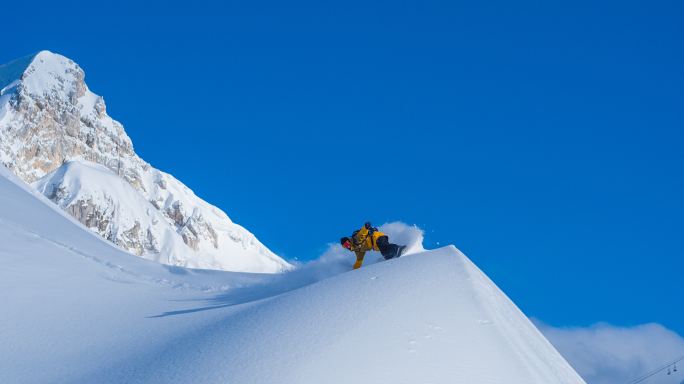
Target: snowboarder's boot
389	250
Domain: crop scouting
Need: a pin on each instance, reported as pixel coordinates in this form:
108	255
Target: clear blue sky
544	139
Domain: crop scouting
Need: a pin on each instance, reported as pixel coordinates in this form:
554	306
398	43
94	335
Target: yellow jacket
362	241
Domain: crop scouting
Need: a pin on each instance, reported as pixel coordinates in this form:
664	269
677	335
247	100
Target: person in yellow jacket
367	239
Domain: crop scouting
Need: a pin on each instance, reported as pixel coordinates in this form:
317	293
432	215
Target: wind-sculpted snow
54	130
77	309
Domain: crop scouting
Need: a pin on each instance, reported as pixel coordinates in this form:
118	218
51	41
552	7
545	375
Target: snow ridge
83	311
56	134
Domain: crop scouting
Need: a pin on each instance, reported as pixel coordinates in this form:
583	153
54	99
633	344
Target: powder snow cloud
603	353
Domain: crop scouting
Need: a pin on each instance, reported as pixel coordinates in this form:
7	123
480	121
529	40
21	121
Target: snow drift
77	309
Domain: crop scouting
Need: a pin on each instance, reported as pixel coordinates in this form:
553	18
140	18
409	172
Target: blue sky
544	139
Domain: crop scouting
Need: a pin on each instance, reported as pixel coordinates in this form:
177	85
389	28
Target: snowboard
402	249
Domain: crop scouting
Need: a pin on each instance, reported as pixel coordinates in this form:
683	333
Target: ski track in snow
116	269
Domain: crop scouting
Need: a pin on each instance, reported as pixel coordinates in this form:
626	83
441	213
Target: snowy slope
53	128
77	309
72	302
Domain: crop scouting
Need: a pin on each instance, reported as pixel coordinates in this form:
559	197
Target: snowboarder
369	238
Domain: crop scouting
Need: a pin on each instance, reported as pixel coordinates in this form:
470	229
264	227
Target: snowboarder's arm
362	233
359	259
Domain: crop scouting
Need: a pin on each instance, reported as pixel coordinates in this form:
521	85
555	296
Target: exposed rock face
50	116
90	215
56	134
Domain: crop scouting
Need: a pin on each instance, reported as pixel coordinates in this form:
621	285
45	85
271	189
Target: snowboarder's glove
368	225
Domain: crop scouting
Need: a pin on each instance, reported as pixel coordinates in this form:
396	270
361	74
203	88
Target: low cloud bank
606	354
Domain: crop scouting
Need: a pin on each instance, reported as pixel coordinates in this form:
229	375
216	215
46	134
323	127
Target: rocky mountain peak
49	73
49	116
50	119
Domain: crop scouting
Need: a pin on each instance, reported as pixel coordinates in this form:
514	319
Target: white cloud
604	354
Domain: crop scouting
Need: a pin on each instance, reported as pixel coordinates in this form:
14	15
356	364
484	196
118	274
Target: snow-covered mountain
76	309
56	134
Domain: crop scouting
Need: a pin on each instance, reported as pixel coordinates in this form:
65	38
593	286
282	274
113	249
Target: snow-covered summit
44	72
48	115
54	130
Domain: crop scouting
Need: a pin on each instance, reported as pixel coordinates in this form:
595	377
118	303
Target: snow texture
77	309
56	134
